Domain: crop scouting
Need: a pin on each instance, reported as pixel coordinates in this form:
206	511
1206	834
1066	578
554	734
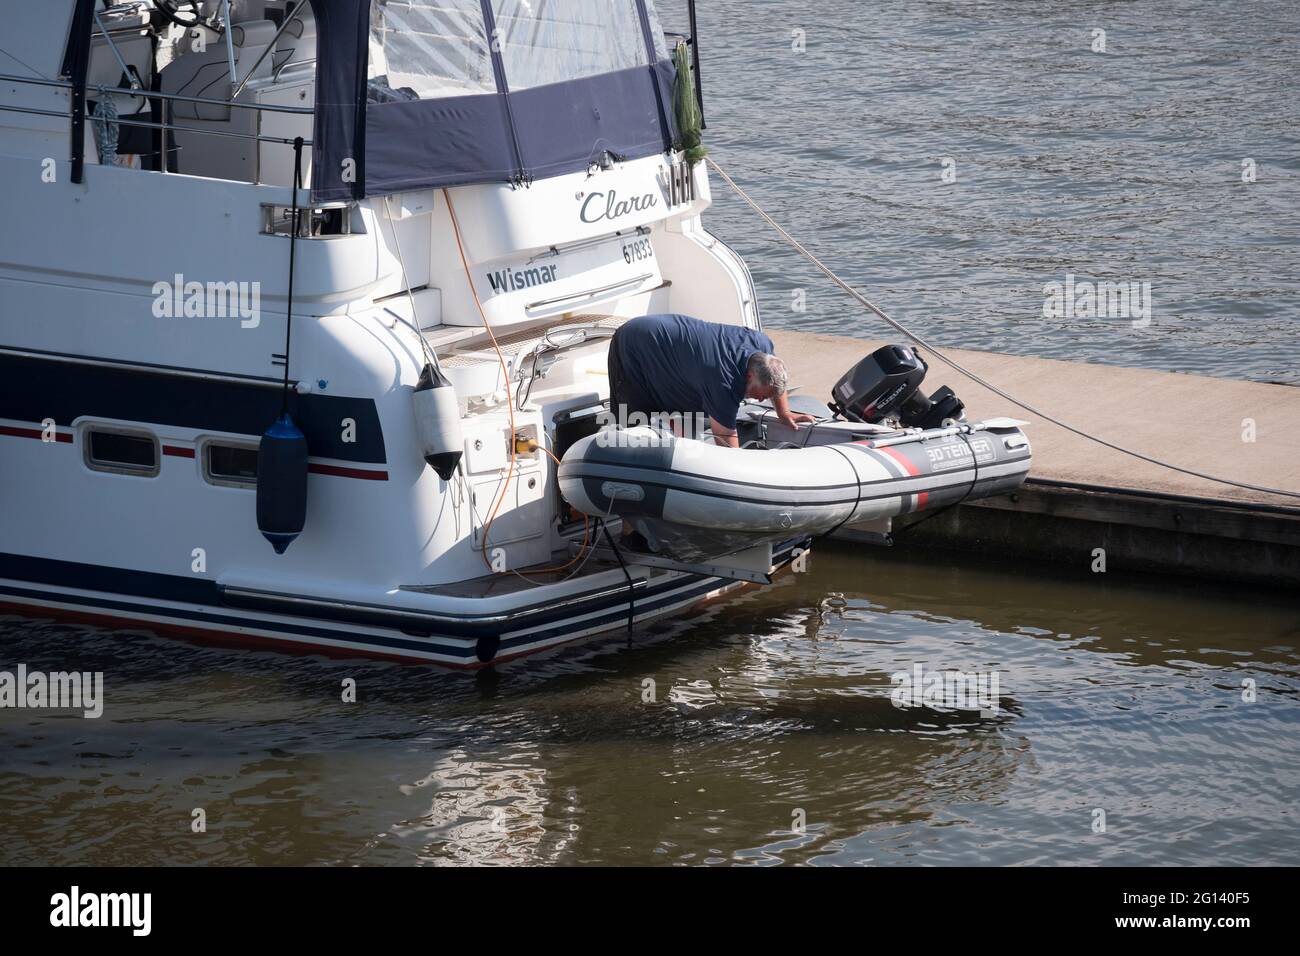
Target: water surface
1123	695
1116	166
768	710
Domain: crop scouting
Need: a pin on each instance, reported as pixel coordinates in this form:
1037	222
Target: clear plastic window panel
657	31
426	49
551	41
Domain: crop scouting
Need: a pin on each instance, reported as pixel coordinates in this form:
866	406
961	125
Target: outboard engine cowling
886	385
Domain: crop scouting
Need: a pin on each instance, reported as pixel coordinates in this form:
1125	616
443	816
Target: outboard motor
886	385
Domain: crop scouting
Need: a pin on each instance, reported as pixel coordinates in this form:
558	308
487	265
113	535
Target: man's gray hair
768	371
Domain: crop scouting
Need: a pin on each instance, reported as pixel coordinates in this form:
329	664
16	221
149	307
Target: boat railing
79	89
71	113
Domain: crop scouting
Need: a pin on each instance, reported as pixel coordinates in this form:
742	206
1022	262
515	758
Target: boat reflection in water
768	710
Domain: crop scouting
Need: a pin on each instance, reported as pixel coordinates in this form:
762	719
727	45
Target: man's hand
791	419
795	419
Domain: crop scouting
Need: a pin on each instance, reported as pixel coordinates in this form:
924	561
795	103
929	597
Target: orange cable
586	527
505	370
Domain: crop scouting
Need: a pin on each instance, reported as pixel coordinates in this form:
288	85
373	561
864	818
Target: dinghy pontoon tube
695	500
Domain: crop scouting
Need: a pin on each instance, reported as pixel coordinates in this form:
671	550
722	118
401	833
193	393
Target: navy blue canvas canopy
417	94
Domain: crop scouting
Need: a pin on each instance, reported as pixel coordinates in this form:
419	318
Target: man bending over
681	366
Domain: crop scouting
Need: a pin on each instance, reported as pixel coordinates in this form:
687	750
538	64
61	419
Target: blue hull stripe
36	389
466	651
123	584
189	590
180	614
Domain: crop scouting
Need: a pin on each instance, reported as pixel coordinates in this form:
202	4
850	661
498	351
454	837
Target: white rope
899	327
410	293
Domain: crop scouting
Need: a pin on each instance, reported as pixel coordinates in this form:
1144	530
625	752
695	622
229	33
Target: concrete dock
1081	496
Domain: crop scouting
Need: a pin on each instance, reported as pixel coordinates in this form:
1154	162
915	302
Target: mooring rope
294	219
902	329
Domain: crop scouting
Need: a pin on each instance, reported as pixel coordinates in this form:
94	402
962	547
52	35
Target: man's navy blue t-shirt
681	364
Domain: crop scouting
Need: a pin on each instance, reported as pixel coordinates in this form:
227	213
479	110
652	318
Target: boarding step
753	565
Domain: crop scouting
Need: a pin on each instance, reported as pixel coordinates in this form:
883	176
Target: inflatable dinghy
695	500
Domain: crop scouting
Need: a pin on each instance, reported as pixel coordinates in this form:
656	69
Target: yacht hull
410	626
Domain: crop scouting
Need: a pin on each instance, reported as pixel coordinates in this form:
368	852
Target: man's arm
793	419
726	437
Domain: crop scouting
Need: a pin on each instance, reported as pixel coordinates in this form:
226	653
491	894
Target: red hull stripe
922	497
178	451
33	433
340	472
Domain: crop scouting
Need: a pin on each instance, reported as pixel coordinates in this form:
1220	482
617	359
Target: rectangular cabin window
122	452
231	465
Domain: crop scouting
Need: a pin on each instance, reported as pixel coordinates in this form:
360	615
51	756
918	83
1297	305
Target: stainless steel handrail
35	80
176	97
149	124
230	41
589	292
269	47
117	54
36	112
